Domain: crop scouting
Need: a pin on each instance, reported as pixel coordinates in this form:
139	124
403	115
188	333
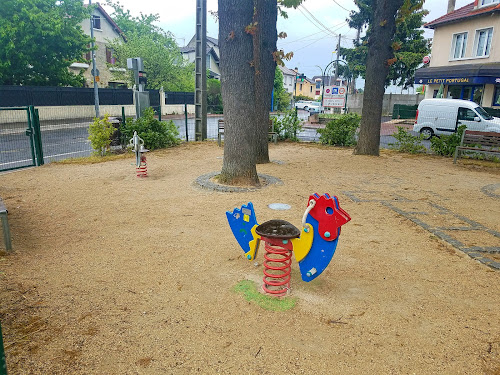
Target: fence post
186	120
3	362
37	135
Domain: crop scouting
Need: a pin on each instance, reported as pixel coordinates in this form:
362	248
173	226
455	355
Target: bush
287	125
156	134
406	142
100	132
340	131
445	145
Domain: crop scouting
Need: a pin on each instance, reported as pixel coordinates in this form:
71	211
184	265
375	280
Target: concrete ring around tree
205	181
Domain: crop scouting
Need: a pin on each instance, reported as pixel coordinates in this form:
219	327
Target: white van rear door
466	117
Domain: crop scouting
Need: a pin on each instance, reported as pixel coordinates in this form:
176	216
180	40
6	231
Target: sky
312	29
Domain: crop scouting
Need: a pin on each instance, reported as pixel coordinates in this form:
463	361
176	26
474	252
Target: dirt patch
113	274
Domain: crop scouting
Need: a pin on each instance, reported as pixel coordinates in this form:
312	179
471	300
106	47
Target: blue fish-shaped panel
242	220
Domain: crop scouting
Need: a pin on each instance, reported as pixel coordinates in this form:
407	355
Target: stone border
205	182
478	253
489	190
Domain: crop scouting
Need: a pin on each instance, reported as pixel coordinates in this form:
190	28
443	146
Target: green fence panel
17	147
401	111
3	362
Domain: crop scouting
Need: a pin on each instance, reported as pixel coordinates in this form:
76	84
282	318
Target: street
70	140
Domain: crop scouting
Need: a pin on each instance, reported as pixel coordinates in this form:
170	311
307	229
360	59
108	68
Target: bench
220	131
480	142
5	225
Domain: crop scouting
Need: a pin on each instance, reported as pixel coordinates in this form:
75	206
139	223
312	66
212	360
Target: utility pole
337	64
200	95
95	72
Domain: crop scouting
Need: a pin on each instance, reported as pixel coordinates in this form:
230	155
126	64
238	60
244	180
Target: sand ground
112	274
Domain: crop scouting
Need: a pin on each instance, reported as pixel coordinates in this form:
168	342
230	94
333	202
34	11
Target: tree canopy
409	44
162	59
39	40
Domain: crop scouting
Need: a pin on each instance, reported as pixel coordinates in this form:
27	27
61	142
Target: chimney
451	6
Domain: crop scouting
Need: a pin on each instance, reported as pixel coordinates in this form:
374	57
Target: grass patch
251	294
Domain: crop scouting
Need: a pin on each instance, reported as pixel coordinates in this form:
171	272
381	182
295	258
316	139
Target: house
305	87
104	29
465	56
289	77
212	54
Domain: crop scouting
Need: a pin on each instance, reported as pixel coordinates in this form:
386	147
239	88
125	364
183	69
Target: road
67	140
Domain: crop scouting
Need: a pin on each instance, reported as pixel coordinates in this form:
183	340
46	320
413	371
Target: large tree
247	38
238	92
380	57
163	63
409	43
39	40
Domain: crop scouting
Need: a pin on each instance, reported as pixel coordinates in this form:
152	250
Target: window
208	61
466	114
311	89
496	97
300	88
458	46
483	42
487	2
109	56
97	22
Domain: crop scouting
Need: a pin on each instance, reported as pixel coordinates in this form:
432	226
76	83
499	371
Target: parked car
444	116
309	105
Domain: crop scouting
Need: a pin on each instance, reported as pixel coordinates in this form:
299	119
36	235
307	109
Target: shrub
156	134
287	125
406	142
445	145
340	131
100	132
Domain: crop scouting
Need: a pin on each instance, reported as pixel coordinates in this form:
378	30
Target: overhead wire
342	6
342	24
315	19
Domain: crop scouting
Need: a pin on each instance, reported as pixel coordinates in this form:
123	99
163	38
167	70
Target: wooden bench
480	142
220	131
5	225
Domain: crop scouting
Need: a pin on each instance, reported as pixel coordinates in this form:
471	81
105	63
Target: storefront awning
472	74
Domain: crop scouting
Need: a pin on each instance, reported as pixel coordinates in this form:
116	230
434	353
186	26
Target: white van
444	116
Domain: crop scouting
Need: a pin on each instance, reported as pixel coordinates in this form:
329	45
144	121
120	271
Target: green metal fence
3	363
20	140
401	111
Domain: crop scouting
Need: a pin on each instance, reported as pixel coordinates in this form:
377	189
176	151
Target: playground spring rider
137	144
313	246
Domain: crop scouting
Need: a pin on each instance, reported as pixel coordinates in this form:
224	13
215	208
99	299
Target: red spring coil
142	170
277	270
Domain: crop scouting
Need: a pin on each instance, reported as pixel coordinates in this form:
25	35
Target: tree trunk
238	92
264	44
380	53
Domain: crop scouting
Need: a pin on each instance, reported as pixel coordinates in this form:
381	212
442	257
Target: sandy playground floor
113	274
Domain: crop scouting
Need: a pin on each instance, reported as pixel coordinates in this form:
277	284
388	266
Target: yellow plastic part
254	244
302	245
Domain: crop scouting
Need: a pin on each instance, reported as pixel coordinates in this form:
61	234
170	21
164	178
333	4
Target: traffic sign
334	97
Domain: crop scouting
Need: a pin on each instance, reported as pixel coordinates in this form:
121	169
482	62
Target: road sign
334	96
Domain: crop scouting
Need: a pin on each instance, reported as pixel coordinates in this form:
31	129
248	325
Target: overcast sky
312	29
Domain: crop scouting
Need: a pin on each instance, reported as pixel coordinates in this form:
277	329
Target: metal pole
337	63
186	120
94	67
200	98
